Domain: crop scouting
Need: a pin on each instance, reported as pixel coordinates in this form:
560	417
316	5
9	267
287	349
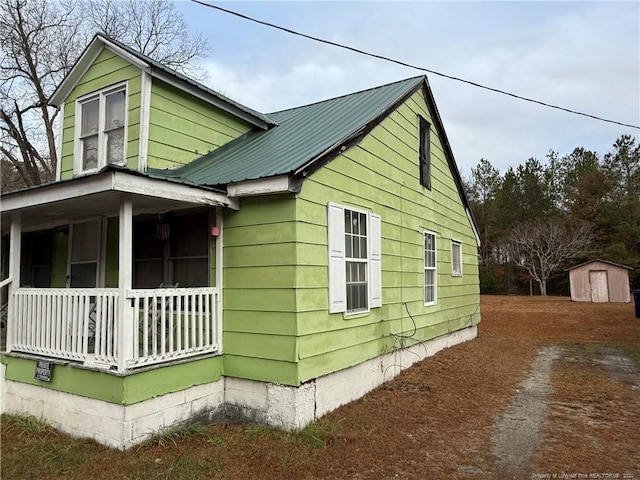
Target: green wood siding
107	69
121	390
182	127
259	318
381	174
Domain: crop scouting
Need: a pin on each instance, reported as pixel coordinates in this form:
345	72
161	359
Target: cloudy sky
583	56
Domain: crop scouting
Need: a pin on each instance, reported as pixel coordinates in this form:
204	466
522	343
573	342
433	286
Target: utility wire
416	67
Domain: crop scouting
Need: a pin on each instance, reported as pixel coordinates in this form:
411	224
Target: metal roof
303	135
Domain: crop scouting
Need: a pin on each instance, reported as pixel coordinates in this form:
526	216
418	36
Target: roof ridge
419	77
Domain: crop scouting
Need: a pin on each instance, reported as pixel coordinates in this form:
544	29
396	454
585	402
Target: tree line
540	218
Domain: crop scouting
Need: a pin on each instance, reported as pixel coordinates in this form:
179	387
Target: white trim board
114	181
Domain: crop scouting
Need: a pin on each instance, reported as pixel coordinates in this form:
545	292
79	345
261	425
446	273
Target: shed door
599	285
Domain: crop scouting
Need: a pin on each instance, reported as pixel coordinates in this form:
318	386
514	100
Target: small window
101	134
456	258
425	153
430	273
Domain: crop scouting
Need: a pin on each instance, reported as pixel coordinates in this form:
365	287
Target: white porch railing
82	324
67	323
174	323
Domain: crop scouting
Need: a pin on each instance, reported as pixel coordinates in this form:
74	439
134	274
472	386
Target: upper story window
456	258
425	153
101	118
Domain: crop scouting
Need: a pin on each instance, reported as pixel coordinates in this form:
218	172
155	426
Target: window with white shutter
354	238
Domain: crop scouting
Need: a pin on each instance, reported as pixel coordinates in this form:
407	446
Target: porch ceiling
100	194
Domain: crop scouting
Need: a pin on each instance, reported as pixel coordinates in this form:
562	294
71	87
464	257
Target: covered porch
125	289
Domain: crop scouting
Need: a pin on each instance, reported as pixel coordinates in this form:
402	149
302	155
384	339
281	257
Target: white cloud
583	56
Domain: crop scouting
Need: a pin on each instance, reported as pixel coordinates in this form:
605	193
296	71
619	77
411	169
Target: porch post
15	242
219	275
125	260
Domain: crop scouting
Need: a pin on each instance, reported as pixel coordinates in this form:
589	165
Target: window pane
90	153
191	272
356	247
115	146
84	246
363	247
347	221
363	224
115	110
146	243
90	117
147	274
355	223
83	275
356	297
362	272
189	235
429	294
348	244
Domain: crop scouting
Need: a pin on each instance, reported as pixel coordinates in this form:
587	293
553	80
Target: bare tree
39	42
152	27
542	245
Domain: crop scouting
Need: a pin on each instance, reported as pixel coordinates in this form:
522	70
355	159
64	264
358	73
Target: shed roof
598	260
303	135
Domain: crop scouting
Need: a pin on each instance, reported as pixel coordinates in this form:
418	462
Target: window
354	238
430	283
456	258
425	153
36	259
84	254
356	260
101	136
171	250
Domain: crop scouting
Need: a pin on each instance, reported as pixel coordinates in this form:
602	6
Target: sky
583	56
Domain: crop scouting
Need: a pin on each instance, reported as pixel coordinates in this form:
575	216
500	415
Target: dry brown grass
434	420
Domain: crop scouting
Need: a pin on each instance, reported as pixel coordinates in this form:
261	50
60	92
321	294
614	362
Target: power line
416	67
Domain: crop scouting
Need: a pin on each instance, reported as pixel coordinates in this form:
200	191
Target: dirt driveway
549	389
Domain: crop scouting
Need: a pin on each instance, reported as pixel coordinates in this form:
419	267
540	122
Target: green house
196	258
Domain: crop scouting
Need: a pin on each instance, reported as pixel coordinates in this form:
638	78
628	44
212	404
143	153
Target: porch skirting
281	406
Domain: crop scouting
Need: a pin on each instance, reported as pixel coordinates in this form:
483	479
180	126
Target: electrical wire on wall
400	343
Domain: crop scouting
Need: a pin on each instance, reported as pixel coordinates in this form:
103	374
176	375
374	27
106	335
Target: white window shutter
337	272
375	264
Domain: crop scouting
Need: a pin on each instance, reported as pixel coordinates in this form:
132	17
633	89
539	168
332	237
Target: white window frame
102	131
456	270
434	269
338	260
356	260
